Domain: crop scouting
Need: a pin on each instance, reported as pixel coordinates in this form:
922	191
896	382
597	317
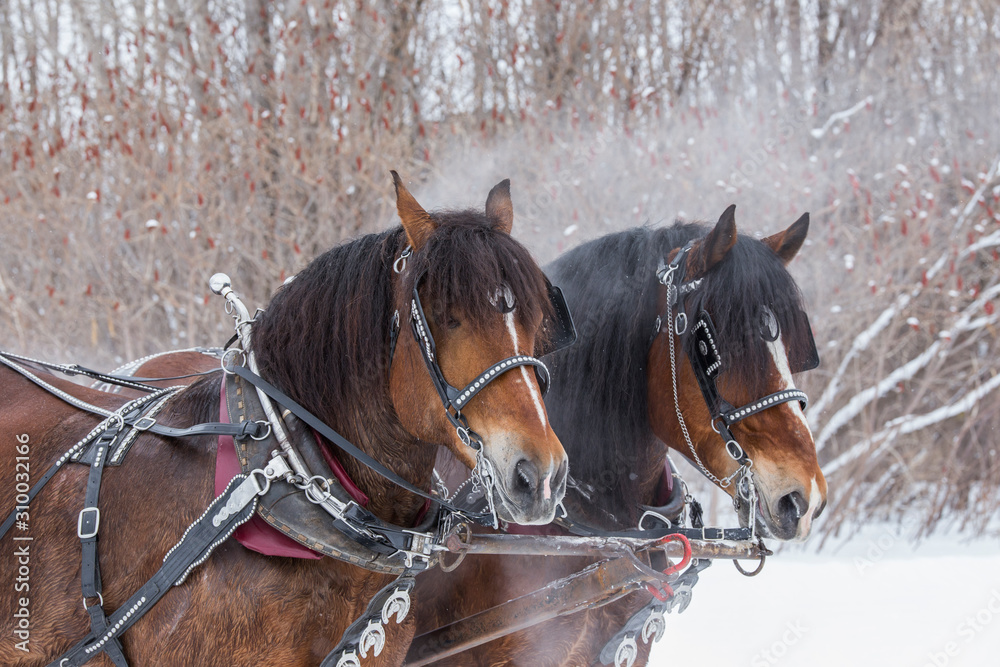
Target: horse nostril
559	478
792	507
525	476
819	510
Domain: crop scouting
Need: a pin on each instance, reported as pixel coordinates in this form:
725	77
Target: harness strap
228	511
87	528
133	408
76	369
344	444
255	430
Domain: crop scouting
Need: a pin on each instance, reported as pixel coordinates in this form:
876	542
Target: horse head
721	368
479	306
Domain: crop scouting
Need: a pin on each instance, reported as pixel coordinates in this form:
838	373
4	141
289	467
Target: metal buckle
710	533
734	450
79	523
144	423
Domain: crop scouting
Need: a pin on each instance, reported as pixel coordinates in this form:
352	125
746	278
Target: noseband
706	361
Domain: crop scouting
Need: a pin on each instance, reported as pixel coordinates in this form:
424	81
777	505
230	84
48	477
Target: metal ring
225	356
116	418
459	529
324	485
681	323
100	599
267	433
754	573
400	264
261	488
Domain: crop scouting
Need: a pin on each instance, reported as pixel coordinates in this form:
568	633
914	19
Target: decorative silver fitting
372	638
655	626
398	604
349	659
627	652
219	283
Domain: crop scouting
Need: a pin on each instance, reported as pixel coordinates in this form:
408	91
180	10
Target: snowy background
871	601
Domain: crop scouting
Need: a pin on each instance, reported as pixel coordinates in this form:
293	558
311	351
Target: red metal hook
667	592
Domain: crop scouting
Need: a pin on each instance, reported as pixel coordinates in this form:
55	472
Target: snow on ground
874	600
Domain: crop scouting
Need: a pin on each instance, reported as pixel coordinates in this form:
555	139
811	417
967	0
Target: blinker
559	331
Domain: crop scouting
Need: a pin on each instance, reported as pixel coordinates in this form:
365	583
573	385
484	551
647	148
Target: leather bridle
453	399
703	354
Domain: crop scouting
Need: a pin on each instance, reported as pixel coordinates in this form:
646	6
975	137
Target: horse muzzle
789	517
528	493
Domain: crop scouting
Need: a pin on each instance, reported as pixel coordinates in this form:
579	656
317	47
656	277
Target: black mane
598	402
324	337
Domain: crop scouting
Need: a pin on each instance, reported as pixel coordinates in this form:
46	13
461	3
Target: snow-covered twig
860	344
864	339
839	116
978	195
911	424
905	372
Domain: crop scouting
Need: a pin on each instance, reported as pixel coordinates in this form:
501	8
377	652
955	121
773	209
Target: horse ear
418	224
786	244
499	208
713	248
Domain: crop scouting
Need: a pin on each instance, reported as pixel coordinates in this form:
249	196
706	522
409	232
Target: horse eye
452	323
769	329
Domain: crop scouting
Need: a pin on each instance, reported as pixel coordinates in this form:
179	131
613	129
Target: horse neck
383	438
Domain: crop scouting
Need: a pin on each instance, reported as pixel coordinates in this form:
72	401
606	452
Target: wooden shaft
597	547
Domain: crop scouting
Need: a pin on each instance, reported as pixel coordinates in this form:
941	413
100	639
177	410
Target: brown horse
613	405
327	339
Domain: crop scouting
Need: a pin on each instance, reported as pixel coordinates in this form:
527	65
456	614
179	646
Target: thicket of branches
145	144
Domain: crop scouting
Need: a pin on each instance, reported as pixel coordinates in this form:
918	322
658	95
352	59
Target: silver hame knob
219	282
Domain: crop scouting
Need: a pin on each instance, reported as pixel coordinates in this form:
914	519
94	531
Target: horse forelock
735	292
466	263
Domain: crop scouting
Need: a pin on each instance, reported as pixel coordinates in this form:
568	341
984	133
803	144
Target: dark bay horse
327	339
613	406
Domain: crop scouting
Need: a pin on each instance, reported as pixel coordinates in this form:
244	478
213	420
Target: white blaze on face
508	319
780	357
